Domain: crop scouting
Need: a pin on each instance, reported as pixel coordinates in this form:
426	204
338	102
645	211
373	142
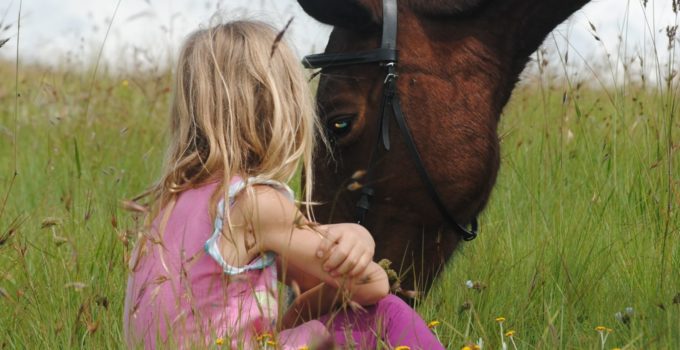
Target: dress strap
211	245
236	187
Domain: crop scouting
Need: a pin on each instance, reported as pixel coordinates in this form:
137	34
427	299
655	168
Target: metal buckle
391	72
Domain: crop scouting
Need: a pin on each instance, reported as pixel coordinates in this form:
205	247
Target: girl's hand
346	250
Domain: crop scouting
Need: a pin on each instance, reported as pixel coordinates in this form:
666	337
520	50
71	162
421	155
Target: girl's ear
349	14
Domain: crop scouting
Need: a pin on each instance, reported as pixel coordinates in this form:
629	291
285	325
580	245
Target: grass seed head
358	174
354	186
134	206
49	222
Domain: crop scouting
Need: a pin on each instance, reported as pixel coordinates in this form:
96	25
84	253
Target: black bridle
387	56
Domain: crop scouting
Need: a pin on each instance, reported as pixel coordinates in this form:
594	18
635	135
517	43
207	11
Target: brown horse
458	63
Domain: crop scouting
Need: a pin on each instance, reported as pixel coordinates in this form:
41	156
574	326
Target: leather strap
466	234
325	60
389	33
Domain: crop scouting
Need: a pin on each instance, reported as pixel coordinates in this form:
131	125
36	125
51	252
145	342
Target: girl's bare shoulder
265	207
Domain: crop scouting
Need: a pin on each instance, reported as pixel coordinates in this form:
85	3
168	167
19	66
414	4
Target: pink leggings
390	320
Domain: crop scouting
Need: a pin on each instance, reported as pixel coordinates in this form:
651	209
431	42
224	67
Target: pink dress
181	293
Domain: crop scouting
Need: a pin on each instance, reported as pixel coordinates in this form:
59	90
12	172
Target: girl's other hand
346	250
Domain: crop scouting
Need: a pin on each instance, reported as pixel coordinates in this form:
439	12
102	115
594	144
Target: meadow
582	230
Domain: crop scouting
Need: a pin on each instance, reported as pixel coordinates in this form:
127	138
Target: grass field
582	229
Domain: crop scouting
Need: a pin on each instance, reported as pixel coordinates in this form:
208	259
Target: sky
147	33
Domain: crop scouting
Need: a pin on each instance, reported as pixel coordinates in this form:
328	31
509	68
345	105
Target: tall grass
64	238
582	229
578	229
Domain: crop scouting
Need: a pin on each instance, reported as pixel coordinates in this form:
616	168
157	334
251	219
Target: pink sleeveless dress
181	293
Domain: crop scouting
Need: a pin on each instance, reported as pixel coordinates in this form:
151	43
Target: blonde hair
241	106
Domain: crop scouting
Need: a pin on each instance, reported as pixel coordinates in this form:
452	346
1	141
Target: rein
387	56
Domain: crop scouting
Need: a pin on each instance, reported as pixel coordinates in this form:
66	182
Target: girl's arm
280	227
311	304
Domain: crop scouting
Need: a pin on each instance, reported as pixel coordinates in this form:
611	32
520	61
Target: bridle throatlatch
387	57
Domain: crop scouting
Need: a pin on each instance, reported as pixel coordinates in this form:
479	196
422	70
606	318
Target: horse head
458	63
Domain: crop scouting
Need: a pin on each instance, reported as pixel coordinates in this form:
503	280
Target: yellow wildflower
433	324
264	336
510	333
271	343
600	328
466	348
402	347
476	347
500	319
304	347
219	341
124	83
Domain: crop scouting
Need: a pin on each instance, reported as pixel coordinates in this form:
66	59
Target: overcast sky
149	31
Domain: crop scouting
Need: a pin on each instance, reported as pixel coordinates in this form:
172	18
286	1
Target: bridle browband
387	56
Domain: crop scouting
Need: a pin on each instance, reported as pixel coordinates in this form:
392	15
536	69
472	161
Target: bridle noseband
387	56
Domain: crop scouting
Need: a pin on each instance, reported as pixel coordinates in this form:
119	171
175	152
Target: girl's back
187	298
173	280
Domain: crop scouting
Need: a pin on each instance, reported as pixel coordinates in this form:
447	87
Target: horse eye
340	126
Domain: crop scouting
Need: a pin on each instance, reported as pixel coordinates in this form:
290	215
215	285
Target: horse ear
354	14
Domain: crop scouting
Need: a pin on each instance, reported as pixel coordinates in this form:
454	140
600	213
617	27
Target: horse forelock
444	8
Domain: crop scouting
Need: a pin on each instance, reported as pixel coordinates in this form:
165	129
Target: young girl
224	232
